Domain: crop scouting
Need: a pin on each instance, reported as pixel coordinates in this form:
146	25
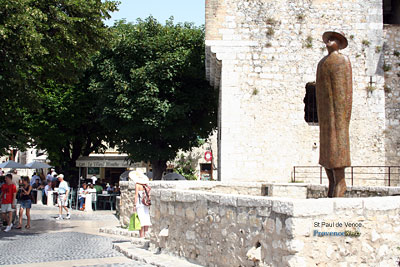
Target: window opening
310	104
391	11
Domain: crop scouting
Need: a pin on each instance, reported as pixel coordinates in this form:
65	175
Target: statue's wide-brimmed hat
138	177
342	41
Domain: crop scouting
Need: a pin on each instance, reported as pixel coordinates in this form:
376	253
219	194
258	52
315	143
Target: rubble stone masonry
210	227
220	230
391	69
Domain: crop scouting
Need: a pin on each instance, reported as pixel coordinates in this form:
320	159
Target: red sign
208	156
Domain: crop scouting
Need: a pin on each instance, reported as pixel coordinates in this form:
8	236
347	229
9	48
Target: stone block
283	207
207	197
244	201
348	203
311	207
190	214
171	209
131	185
167	195
123	184
264	211
155	193
190	235
185	196
228	200
381	203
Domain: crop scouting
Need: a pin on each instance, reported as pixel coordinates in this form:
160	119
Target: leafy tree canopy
42	41
67	124
152	85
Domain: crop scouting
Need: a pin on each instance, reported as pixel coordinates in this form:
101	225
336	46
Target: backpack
146	200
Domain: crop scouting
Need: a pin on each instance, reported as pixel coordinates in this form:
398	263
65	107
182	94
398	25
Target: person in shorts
25	202
7	197
63	191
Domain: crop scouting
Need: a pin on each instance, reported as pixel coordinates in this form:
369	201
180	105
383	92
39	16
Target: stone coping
288	206
387	190
197	183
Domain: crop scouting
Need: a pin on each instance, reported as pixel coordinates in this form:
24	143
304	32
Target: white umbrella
38	165
12	165
173	176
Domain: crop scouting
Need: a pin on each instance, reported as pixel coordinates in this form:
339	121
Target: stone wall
391	68
220	229
286	190
261	54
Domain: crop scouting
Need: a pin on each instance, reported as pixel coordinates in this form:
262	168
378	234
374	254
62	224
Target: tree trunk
158	166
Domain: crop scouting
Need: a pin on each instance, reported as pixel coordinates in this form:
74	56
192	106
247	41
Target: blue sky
181	10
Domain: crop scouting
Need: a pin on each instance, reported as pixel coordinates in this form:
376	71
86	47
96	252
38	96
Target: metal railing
359	175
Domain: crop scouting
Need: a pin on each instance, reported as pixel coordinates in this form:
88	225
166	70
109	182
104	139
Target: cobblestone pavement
120	265
74	242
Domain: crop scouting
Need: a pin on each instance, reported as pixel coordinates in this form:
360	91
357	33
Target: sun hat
138	177
342	41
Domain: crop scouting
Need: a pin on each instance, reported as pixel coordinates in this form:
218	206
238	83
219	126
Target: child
7	197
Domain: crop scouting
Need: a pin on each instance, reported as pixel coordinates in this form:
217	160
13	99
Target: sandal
18	227
27	226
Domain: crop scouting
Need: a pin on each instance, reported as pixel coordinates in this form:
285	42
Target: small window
310	104
391	11
206	172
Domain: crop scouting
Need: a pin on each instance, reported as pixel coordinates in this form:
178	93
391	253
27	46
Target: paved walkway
75	242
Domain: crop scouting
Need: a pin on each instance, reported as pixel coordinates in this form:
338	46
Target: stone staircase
139	249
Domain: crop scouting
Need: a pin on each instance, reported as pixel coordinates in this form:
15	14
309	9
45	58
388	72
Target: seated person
36	184
117	190
109	188
34	178
98	188
82	195
47	188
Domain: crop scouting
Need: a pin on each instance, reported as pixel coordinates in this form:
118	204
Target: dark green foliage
153	89
42	41
67	124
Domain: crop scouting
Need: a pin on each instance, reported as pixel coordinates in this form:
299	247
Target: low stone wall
220	229
287	190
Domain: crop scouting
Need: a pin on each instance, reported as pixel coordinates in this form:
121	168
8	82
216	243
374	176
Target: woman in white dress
142	210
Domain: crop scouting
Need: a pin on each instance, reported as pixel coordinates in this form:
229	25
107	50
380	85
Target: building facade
263	56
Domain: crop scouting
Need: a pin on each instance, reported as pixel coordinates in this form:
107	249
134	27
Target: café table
106	198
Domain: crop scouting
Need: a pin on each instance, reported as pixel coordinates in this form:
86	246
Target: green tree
67	125
42	41
153	89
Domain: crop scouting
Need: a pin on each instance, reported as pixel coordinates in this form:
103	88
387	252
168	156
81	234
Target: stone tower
263	55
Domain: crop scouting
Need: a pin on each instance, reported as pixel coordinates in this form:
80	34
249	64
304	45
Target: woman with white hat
142	210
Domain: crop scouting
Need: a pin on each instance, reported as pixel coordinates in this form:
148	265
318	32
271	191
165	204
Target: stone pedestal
39	197
88	203
50	201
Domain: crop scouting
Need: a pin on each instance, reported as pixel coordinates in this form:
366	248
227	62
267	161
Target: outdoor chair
72	198
94	200
109	200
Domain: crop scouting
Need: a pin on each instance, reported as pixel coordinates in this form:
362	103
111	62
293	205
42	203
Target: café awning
107	161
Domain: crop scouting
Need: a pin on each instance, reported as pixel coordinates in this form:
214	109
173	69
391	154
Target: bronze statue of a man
334	100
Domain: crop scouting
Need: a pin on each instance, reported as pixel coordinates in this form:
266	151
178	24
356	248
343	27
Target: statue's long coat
334	101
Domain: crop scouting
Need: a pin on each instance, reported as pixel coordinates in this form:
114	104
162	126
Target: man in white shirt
94	179
63	191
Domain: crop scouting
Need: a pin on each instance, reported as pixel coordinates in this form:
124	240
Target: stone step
140	242
119	231
146	256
